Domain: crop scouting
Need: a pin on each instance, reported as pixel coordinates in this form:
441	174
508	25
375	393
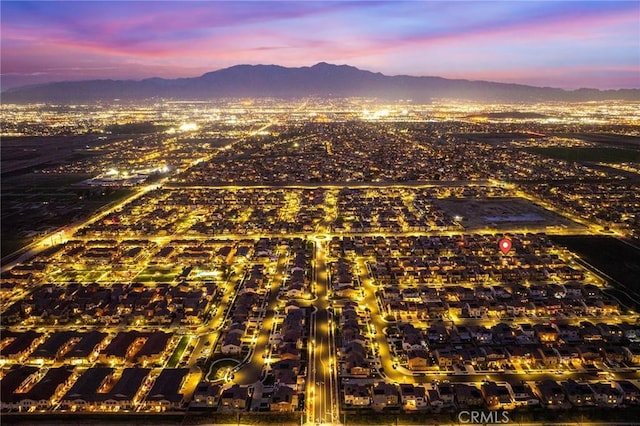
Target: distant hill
322	79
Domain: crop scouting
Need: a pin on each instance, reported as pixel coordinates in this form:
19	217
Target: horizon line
140	79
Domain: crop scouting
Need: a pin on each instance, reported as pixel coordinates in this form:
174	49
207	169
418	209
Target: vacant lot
502	214
613	257
581	154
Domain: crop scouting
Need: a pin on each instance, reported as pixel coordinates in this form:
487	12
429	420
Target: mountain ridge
322	79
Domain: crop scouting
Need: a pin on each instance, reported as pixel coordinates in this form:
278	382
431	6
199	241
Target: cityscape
321	261
320	213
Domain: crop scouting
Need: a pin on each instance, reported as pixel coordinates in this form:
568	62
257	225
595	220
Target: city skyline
558	44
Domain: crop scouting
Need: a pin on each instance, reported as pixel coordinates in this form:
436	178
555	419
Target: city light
345	253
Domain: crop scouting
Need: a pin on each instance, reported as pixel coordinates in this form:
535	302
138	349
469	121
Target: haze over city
559	44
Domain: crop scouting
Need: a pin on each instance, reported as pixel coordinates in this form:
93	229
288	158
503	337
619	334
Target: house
550	393
589	353
434	399
568	354
292	365
411	340
481	335
467	395
446	393
446	356
523	395
607	395
633	353
496	396
234	398
629	390
495	356
357	395
545	333
578	394
284	399
206	395
630	331
231	344
615	354
295	290
286	377
288	351
384	395
520	354
550	357
357	365
418	360
286	372
413	397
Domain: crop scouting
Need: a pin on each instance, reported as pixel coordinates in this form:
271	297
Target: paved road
251	372
62	235
322	390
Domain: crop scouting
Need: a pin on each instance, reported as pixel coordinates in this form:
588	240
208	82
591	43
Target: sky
567	44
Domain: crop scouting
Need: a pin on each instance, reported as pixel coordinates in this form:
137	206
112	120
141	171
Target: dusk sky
567	44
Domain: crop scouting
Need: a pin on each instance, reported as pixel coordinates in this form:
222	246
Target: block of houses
124	393
40	396
83	394
10	383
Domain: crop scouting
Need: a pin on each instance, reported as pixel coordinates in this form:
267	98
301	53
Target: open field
579	154
613	257
40	206
501	213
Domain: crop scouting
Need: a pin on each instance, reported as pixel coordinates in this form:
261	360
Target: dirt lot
504	213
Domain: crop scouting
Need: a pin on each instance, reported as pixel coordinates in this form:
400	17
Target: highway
61	236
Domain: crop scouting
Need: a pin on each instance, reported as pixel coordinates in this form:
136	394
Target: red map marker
505	245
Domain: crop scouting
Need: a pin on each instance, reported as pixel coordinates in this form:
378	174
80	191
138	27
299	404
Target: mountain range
322	79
